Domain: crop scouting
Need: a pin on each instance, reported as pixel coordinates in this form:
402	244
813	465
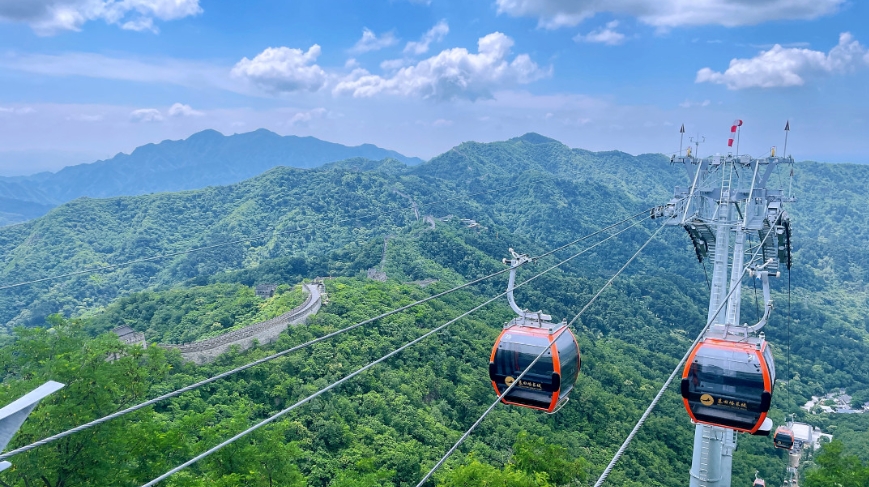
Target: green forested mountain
206	158
388	426
299	212
189	314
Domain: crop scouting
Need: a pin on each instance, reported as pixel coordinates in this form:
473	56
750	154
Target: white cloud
784	44
453	73
17	110
146	115
393	64
283	70
84	117
181	110
302	118
781	67
370	42
435	34
48	17
693	104
442	123
604	35
351	63
140	25
553	14
191	74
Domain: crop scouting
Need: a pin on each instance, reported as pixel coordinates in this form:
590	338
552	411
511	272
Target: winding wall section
263	332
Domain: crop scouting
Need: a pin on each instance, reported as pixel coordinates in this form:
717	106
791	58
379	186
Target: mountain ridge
206	158
528	193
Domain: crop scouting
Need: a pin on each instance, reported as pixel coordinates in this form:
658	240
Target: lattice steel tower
729	201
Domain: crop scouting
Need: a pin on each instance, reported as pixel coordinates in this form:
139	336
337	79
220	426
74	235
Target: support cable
531	365
366	367
706	274
648	411
788	388
756	301
214	378
269	358
574	242
754	282
237	241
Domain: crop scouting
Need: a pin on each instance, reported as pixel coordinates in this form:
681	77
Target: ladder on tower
703	471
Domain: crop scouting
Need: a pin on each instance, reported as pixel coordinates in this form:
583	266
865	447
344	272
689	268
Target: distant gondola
783	438
548	384
729	383
758	482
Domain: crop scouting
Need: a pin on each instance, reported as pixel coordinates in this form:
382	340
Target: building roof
123	330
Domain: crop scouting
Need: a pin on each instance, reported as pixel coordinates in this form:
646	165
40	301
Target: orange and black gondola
783	438
729	383
548	384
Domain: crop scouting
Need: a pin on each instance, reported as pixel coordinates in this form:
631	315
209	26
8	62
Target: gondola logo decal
509	380
530	384
707	400
733	404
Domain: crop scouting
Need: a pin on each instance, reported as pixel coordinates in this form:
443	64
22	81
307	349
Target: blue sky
85	79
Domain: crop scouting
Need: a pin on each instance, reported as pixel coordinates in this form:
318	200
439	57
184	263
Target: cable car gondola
783	438
548	384
728	382
758	482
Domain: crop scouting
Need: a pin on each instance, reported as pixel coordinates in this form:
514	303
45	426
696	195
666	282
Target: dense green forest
390	425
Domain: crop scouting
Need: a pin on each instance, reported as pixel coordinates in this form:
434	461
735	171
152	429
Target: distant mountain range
207	158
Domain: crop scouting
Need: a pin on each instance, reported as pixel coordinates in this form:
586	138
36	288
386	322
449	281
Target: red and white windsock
733	128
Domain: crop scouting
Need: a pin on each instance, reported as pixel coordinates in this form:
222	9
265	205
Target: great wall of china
263	332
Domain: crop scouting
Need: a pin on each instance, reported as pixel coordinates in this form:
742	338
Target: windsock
733	128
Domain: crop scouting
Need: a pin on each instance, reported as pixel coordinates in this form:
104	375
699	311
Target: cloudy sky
85	79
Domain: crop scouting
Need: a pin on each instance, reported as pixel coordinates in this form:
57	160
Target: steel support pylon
726	202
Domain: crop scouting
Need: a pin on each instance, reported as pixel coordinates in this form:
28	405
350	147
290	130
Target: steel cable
360	370
531	365
209	380
269	358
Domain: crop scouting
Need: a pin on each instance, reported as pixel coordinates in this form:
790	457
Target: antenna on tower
681	138
697	141
785	153
787	131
